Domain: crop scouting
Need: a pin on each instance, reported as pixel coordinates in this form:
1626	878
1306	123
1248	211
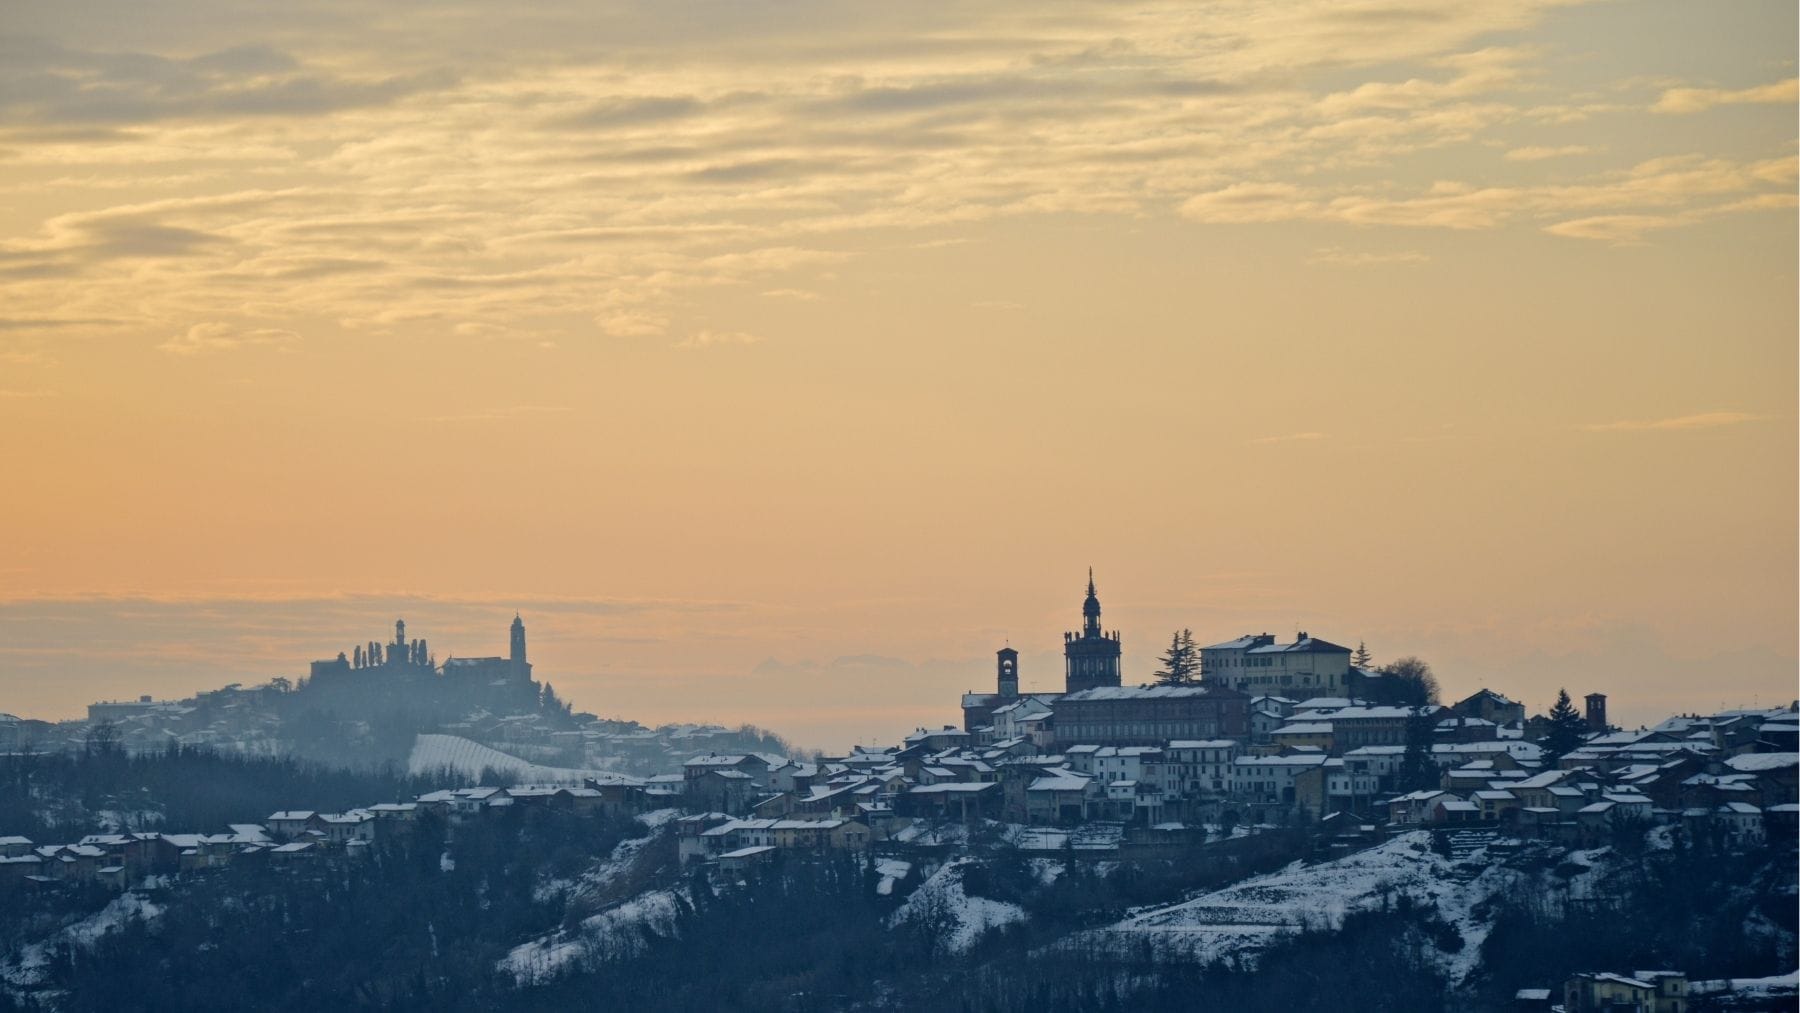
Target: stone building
1255	663
1150	715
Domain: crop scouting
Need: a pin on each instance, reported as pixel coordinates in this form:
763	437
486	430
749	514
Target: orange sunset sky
781	361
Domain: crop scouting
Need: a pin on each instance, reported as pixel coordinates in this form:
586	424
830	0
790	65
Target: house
720	787
1150	715
689	842
1202	767
1270	778
1416	807
355	825
1495	803
745	859
1643	992
963	801
296	851
1255	662
1490	706
1741	822
1775	774
1303	735
1451	809
14	868
1059	796
290	824
754	766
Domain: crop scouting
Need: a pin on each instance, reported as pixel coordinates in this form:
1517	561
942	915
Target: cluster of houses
1153	762
120	859
1325	755
1659	992
1685	771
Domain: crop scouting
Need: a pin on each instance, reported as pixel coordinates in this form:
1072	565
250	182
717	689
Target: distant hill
432	753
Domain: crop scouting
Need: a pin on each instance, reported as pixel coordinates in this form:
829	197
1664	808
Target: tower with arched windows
1091	657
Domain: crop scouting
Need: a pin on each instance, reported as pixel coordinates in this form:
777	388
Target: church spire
1090	609
1091	657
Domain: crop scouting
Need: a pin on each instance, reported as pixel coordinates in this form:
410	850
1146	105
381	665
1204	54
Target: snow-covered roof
1757	762
1303	645
1137	693
717	760
1059	781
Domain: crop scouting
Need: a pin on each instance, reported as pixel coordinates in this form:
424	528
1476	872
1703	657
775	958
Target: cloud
1290	438
1704	420
629	111
632	323
1538	154
1366	258
1695	100
796	294
633	160
709	339
1251	202
209	338
1657	193
24	394
47	84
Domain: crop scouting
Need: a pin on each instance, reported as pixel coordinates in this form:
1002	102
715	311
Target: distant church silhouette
1091	657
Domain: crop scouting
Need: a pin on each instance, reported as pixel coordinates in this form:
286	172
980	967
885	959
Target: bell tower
520	669
1091	657
1008	673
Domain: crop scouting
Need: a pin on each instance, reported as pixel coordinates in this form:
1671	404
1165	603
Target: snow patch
29	968
940	905
891	871
618	933
1247	917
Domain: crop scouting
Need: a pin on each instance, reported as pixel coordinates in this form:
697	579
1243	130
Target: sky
779	362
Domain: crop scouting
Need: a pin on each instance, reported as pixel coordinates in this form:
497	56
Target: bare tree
1408	682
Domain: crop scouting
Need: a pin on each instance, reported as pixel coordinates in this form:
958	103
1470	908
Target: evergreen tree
1362	658
1418	771
1181	662
1567	728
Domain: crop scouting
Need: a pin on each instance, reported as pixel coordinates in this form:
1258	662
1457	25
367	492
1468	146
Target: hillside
432	753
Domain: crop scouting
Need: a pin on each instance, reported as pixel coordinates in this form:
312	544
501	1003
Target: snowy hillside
1242	919
466	756
942	907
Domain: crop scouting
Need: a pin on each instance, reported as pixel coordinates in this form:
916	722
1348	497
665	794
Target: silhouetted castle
405	674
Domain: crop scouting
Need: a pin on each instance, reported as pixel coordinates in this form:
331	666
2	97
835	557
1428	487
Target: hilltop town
1299	761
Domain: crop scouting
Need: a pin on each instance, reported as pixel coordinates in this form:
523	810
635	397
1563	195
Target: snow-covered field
466	756
1242	919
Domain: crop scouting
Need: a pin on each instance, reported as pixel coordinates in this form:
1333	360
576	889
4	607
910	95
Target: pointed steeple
1090	609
